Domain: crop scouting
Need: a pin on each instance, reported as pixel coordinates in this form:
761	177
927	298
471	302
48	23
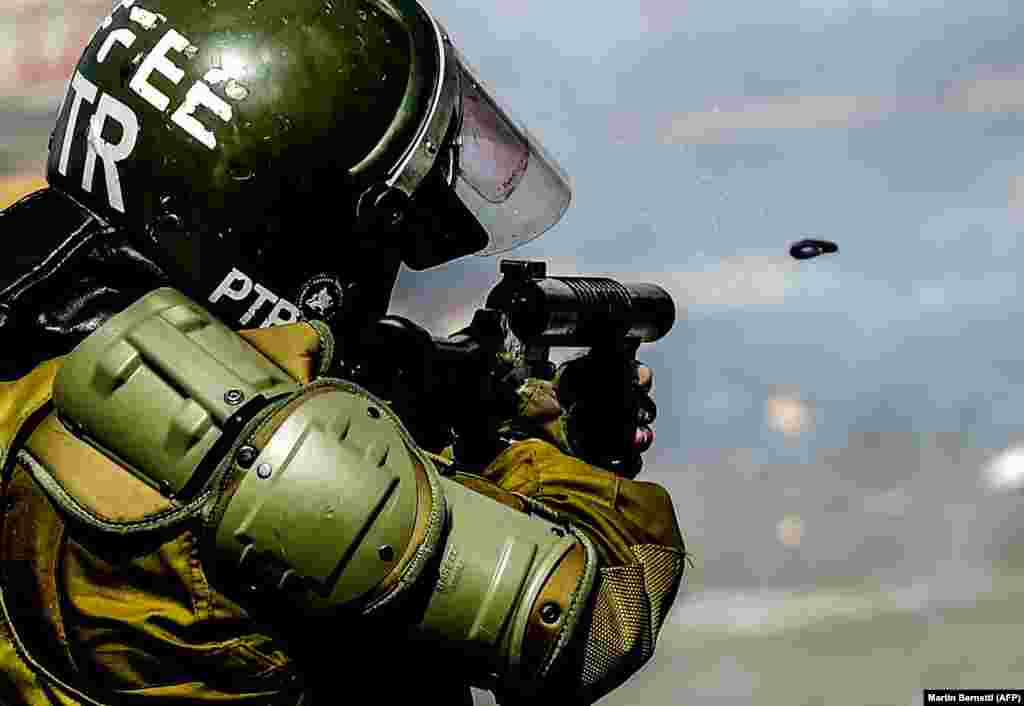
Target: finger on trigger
538	400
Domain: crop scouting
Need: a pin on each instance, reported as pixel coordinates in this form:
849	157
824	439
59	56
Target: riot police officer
193	514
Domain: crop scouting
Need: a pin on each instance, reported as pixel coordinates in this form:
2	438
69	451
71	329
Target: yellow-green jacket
137	622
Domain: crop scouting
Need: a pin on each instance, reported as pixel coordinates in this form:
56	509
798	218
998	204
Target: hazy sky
837	433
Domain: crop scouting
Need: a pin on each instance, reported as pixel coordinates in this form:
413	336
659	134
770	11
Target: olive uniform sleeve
634	527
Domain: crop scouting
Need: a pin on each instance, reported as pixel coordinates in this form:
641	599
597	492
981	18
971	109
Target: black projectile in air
806	249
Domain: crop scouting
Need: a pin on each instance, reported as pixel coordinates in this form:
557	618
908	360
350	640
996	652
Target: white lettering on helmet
146	19
237	286
227	287
198	95
96	146
184	117
284	312
109	152
157	61
125	37
84	89
263	295
80	89
110	18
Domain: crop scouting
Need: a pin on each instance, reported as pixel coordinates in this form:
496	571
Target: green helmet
281	158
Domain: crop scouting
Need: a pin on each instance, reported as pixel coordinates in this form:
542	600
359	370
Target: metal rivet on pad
246	456
550	612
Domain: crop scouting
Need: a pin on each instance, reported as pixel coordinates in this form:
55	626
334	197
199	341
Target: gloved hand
549	410
540	412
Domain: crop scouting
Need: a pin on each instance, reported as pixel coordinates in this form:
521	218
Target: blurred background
841	436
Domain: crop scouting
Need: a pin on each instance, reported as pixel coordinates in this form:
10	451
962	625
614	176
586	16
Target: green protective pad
155	385
496	562
330	503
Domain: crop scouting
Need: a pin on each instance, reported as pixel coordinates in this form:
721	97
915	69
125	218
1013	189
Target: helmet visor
503	176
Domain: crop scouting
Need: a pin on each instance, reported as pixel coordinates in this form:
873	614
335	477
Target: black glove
597	409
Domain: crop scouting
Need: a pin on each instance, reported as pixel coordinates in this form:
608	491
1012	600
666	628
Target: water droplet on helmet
215	75
211	3
191	51
236	90
362	15
383	77
253	3
240	172
283	124
168	223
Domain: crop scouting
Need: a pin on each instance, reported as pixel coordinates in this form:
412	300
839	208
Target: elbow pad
316	494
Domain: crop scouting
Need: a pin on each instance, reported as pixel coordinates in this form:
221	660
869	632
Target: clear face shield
483	183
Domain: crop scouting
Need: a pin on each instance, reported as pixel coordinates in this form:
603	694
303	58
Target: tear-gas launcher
455	391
